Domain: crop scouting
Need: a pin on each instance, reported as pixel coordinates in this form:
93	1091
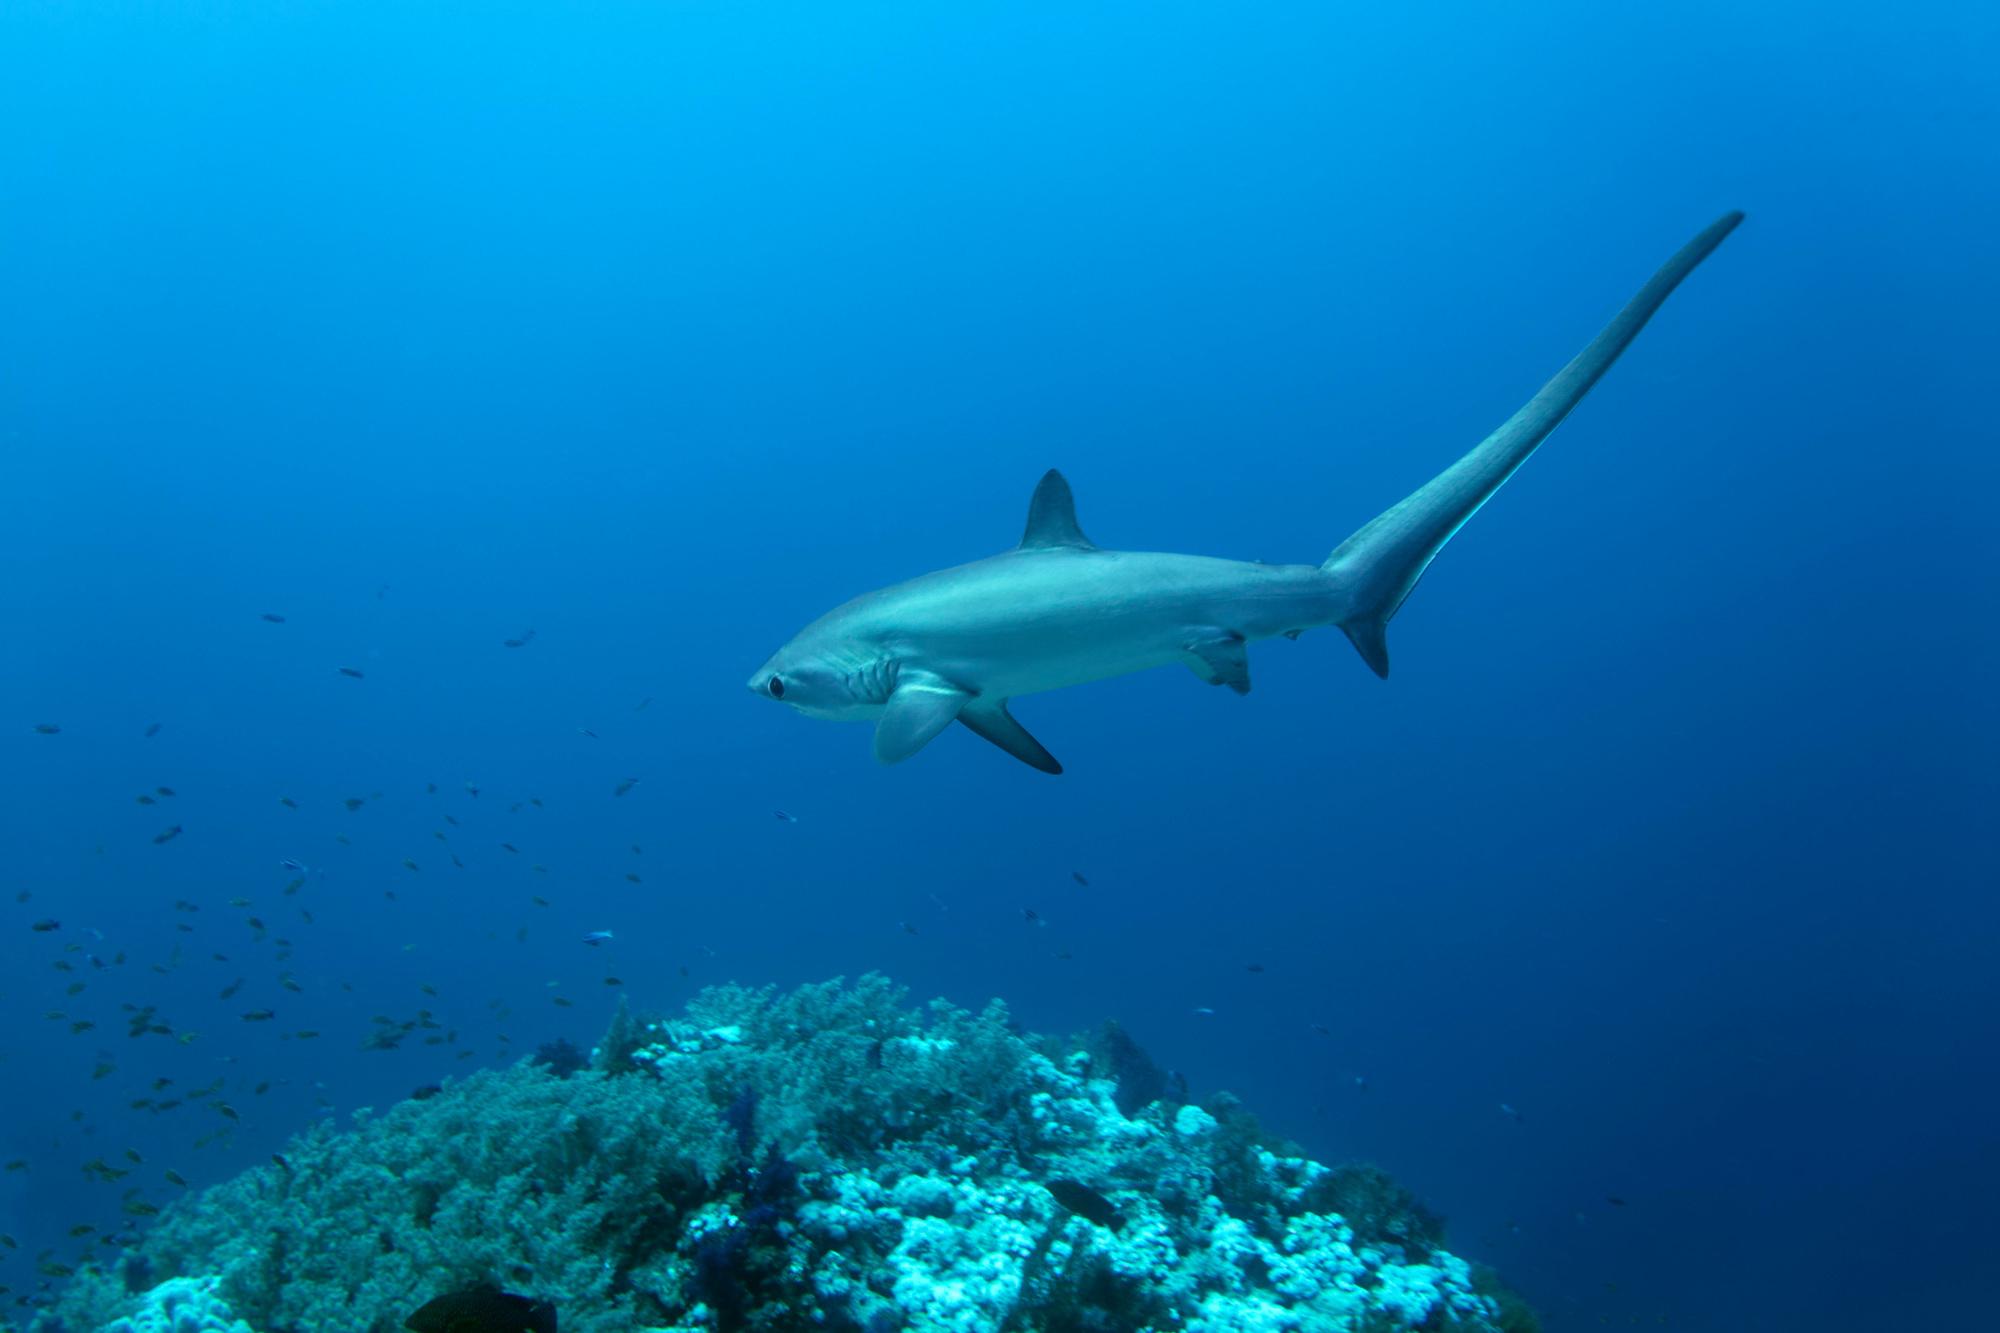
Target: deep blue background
661	328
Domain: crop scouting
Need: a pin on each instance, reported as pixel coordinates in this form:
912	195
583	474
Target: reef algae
829	1158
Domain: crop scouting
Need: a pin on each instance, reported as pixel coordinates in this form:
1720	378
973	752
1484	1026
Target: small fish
613	981
633	878
239	902
408	864
45	925
525	638
354	803
596	937
471	790
152	731
278	1160
288	803
586	731
272	617
168	835
176	1178
296	867
627	785
144	800
1203	1011
1510	1112
425	1093
226	1111
259	1016
785	818
484	1309
1322	1029
1077	875
353	672
1080	1199
163	791
140	1208
510	849
1253	967
1032	917
47	729
305	1034
538	900
1614	1201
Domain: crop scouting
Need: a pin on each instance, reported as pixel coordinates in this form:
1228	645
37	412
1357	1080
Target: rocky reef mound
826	1158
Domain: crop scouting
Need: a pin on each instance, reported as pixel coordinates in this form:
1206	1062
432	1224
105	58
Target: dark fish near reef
47	729
169	835
45	925
351	671
483	1310
1085	1202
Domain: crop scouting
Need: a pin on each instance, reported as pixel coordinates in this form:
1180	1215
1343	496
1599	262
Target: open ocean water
418	421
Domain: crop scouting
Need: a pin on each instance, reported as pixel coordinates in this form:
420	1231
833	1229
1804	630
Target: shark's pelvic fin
1380	565
991	720
1221	660
921	706
1052	517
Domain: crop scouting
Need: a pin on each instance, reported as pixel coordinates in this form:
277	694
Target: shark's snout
767	683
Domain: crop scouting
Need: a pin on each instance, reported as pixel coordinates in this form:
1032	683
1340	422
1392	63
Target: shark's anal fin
921	706
1052	517
1221	659
989	718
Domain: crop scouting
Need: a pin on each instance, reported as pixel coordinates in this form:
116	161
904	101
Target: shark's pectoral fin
921	707
1222	659
990	719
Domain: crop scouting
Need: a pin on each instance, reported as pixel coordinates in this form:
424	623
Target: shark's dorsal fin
1052	517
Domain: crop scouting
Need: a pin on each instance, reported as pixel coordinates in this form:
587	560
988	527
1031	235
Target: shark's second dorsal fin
1052	517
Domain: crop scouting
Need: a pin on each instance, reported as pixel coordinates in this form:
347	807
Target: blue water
660	328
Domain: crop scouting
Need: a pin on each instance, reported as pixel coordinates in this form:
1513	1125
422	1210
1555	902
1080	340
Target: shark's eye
777	688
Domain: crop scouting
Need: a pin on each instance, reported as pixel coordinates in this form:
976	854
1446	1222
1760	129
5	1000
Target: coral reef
827	1157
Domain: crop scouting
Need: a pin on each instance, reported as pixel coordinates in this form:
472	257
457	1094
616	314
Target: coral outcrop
828	1158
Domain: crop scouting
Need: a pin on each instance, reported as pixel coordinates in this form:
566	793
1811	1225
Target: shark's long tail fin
1379	565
